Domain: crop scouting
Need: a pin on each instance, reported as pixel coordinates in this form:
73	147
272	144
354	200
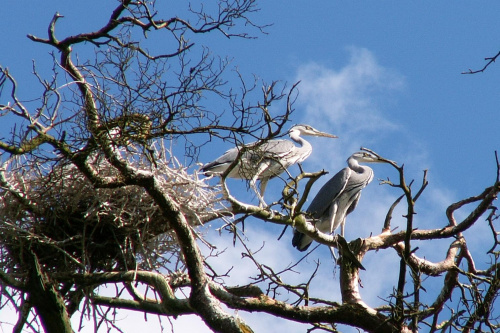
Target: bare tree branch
489	61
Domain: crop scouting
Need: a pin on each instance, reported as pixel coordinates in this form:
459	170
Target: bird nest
56	213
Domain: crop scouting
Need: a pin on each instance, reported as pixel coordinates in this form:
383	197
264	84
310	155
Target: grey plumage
337	198
267	160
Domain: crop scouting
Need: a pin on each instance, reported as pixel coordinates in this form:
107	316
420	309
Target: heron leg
263	183
262	186
253	185
332	251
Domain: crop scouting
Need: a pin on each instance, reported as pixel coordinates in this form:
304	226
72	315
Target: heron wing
354	203
343	189
330	191
221	163
323	208
276	150
270	149
252	158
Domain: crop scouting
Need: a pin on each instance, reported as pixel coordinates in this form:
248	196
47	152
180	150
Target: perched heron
267	160
338	197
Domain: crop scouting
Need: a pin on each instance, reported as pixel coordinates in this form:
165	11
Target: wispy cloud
349	99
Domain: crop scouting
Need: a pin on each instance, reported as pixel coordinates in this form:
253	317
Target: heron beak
326	135
383	161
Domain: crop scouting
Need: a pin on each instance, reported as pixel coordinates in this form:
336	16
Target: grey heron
338	197
267	160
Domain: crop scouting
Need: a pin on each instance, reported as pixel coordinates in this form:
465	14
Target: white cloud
348	99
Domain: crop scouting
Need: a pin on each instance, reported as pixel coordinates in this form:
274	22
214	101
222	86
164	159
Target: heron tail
301	241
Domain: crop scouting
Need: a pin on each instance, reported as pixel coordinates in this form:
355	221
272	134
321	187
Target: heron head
363	156
302	129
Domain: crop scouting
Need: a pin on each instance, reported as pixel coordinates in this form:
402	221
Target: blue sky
380	74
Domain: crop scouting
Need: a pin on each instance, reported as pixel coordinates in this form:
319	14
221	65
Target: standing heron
338	197
266	160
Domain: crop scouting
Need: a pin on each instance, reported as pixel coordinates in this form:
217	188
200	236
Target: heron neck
355	166
305	147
